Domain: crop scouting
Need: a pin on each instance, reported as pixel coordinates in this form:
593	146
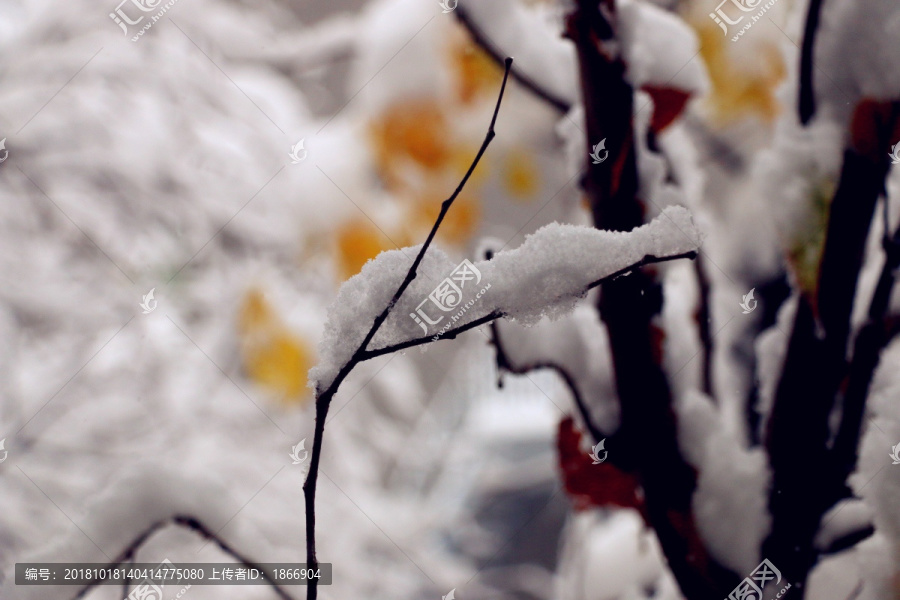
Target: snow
844	518
659	49
545	276
613	551
155	151
731	500
859	41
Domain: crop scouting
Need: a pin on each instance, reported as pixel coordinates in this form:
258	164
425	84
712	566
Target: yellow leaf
358	241
475	73
805	251
272	356
520	175
739	89
411	130
459	224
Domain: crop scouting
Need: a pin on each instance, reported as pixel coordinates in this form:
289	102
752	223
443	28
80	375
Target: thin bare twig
505	364
324	397
195	525
807	99
480	38
704	317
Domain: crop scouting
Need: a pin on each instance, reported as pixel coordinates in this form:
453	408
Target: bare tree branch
195	525
480	38
870	341
806	479
628	308
324	397
807	99
704	318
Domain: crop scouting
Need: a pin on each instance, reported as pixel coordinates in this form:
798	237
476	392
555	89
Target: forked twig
324	397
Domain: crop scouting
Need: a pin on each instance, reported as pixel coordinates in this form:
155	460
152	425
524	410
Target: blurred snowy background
164	165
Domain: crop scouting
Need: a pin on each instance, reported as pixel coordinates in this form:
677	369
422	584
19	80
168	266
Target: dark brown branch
628	307
324	397
703	325
505	364
870	341
195	525
807	99
847	541
806	480
480	38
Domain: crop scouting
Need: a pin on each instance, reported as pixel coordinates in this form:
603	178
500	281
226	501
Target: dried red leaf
668	104
592	485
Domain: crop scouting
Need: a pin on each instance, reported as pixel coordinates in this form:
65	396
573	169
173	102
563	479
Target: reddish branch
628	306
